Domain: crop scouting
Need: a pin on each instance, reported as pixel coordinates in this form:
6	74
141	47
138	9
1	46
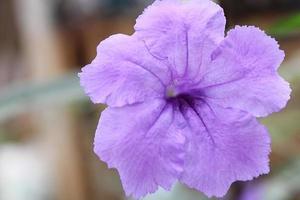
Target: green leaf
286	26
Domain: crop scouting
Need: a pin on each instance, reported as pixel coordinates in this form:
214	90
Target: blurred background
47	124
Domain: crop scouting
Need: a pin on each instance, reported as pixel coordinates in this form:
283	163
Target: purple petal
253	191
225	145
183	32
244	75
124	72
144	143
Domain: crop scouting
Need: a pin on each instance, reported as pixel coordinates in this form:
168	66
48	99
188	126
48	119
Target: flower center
171	92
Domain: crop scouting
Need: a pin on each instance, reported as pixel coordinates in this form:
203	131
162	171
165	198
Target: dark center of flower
181	99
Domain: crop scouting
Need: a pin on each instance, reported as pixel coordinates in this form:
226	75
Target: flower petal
244	75
124	72
183	32
225	145
143	142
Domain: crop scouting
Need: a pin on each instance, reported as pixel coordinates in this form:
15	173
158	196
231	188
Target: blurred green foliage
287	26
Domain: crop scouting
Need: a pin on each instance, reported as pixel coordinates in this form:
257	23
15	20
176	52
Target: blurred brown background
47	124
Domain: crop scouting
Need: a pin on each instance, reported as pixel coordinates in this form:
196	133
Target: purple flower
183	100
253	191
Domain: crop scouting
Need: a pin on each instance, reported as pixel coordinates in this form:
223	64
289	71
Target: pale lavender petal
244	75
144	143
225	145
124	72
182	32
